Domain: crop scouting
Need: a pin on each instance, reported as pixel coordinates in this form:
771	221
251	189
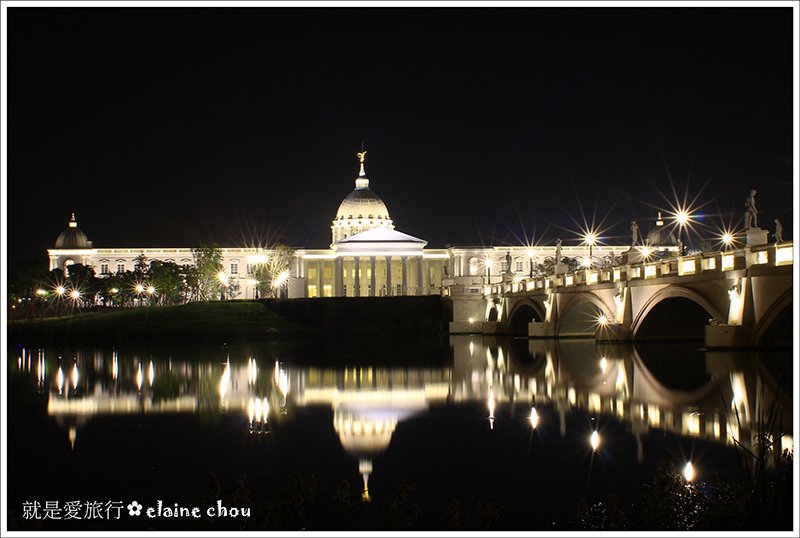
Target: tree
208	265
272	274
167	278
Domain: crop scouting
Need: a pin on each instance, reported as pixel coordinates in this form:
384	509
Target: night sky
168	127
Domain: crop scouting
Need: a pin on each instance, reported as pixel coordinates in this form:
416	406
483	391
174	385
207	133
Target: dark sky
167	127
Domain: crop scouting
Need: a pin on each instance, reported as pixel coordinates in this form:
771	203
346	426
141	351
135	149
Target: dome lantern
73	237
361	210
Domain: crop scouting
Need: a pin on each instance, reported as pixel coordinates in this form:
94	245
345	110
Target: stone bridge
736	298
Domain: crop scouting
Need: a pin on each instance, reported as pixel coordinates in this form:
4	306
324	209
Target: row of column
338	276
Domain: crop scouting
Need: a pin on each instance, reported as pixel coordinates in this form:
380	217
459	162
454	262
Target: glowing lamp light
530	253
594	440
471	320
41	292
682	217
646	252
151	290
688	471
139	288
602	320
223	278
114	290
603	364
590	239
727	239
534	418
61	290
75	294
283	277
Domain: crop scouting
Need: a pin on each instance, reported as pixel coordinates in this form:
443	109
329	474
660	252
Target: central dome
72	237
361	210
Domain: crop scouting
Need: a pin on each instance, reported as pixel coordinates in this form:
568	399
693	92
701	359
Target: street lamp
682	217
530	261
590	239
139	290
727	240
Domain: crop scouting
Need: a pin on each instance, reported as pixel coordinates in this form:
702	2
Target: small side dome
72	237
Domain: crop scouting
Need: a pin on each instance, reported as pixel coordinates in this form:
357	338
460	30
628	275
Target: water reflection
720	404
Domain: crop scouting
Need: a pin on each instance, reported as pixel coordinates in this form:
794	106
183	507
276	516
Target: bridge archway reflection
369	403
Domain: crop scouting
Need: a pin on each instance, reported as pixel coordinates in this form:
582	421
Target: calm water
115	425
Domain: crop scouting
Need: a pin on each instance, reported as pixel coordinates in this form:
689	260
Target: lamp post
590	239
530	261
682	217
139	290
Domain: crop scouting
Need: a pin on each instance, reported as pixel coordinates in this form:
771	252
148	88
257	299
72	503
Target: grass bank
340	325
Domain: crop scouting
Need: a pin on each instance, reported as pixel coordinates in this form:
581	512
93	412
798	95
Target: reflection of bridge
368	403
731	299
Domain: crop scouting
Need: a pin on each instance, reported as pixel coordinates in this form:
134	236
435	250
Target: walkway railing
768	255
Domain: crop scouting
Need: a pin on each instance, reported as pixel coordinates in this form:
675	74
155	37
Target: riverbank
338	324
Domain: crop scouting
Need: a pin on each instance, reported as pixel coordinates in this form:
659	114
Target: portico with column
371	259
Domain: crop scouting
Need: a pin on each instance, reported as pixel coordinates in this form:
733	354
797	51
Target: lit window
312	290
327	290
327	272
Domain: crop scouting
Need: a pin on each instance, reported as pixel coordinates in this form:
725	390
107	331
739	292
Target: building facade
367	257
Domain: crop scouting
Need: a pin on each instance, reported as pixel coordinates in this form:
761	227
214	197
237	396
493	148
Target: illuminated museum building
367	256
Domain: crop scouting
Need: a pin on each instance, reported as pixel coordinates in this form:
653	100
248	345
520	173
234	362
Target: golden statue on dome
362	155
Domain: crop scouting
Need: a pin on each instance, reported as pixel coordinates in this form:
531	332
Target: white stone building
367	257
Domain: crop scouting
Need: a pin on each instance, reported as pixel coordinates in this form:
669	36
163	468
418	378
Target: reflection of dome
72	237
361	210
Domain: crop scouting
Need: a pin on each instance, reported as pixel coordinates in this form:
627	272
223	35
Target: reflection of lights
491	405
60	379
603	365
471	320
115	366
224	380
139	377
534	418
594	440
75	376
252	371
688	471
151	374
281	379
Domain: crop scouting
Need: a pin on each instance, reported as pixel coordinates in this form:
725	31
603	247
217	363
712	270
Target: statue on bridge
778	231
751	213
508	262
634	233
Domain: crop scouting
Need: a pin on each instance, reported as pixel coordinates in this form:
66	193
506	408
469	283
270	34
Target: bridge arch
775	326
523	312
697	309
578	315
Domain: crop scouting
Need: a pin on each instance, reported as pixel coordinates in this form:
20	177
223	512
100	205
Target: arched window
519	265
474	266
